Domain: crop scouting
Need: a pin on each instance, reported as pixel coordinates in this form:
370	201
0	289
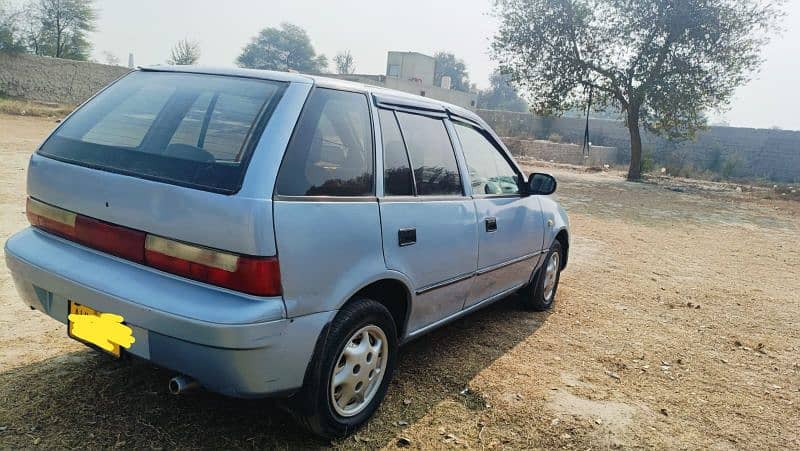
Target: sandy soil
676	326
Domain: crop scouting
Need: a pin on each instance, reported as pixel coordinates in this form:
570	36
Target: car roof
233	71
388	97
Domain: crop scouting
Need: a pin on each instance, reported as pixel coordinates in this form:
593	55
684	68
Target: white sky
369	28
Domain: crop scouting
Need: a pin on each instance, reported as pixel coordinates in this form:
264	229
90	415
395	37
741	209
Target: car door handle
491	224
407	237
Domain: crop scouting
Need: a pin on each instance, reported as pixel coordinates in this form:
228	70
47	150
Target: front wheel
540	293
351	371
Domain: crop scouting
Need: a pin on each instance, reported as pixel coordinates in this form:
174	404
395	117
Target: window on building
331	151
489	171
394	71
431	154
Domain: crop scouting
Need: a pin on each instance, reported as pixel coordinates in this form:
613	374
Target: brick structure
561	153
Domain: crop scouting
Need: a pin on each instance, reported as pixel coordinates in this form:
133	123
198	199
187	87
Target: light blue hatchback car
265	233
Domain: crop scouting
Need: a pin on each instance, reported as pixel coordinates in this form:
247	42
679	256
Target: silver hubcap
359	371
550	276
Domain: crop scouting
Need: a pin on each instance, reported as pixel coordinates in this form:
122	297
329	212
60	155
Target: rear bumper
232	343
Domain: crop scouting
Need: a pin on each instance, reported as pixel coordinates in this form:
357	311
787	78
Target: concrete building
411	66
413	72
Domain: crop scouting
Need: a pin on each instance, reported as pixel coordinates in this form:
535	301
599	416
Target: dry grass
20	107
675	327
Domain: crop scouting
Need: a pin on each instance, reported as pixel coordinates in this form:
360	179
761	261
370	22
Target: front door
428	224
510	225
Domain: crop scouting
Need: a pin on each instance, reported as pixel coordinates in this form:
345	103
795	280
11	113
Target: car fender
555	220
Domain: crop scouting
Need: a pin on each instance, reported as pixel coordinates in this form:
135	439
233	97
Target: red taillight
113	239
116	240
254	275
52	219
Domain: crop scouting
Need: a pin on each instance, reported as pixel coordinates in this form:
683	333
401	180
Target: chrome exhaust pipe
181	384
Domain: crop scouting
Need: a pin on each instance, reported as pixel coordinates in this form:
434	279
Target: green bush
648	164
729	166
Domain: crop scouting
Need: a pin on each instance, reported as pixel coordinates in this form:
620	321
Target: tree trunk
59	30
635	169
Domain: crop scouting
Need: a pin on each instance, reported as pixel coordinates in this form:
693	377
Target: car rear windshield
185	129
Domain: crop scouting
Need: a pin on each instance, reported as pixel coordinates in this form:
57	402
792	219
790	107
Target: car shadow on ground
86	399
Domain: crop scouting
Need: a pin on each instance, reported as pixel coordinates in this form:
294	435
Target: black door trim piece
507	263
479	272
445	283
407	236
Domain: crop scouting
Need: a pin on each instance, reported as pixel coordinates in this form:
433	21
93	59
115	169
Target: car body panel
335	245
555	219
445	250
518	238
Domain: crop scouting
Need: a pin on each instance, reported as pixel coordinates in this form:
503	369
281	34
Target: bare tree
344	63
185	53
110	59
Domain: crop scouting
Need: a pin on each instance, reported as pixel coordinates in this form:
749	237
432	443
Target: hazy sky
148	28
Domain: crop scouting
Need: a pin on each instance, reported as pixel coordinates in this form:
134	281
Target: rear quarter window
331	150
186	129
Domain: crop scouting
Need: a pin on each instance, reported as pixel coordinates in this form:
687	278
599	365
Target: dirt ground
677	325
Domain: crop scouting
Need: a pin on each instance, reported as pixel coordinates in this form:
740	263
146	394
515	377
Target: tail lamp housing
259	276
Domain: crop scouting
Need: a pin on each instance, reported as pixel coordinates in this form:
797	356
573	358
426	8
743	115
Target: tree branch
588	65
656	69
613	91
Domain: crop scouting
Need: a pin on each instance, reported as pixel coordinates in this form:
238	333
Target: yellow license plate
105	331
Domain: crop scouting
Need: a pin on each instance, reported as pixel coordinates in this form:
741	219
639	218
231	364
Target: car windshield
186	129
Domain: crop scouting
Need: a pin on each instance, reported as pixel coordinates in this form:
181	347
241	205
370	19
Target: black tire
313	407
533	294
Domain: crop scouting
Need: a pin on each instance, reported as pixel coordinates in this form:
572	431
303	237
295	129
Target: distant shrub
729	166
554	137
648	164
682	169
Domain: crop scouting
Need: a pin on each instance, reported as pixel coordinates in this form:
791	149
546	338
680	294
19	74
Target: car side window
431	153
489	171
397	179
331	150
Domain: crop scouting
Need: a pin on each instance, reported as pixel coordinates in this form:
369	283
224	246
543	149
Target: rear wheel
351	370
540	293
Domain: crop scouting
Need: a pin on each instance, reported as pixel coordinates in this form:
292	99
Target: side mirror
540	183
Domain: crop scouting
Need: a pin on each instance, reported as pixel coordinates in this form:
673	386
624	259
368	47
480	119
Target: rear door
428	222
327	224
510	225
